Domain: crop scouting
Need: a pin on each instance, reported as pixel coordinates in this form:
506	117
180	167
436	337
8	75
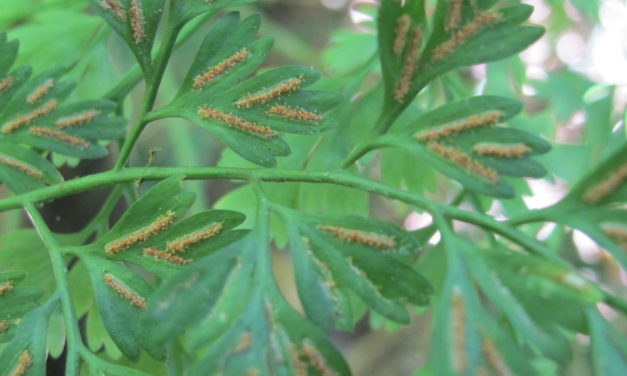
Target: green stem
152	88
74	341
540	215
615	302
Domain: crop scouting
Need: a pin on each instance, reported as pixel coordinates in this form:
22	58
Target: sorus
60	135
124	291
19	165
141	235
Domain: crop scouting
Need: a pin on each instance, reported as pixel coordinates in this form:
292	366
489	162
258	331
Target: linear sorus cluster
28	118
244	343
361	237
78	119
235	122
454	15
40	91
116	7
137	21
409	68
316	359
464	34
459	126
459	332
300	368
502	150
141	235
165	256
23	364
185	241
616	231
19	165
402	28
6	287
494	359
295	114
265	96
3	326
220	68
6	84
462	159
607	186
124	291
59	135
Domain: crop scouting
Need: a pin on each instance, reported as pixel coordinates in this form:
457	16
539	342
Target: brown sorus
19	165
116	7
28	118
295	114
462	159
124	291
402	27
137	21
316	359
494	359
6	83
23	364
185	241
409	68
165	256
361	237
6	287
141	235
78	119
235	122
265	96
604	188
502	150
60	135
454	16
471	122
221	68
469	30
40	91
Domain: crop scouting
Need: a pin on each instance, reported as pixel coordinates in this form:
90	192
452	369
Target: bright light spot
334	4
546	231
496	211
571	48
587	248
529	90
540	10
606	311
544	193
583	339
538	52
435	239
416	221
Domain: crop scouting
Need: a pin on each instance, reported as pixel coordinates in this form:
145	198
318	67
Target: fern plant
177	288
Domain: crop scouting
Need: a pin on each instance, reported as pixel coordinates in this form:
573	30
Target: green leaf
461	140
184	10
238	325
146	236
27	350
412	54
336	254
31	114
248	114
136	21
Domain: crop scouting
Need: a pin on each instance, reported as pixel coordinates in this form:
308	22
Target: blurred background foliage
573	83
